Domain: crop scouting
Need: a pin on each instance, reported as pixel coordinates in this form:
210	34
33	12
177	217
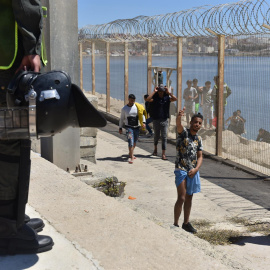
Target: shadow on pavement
18	262
236	178
257	240
124	158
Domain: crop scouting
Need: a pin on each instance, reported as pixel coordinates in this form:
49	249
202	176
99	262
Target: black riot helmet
53	102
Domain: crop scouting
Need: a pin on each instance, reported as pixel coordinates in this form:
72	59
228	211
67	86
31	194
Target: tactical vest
9	39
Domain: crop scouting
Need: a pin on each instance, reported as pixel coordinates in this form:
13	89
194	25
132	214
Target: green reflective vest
9	39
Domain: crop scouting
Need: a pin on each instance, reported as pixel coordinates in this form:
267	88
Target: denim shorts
132	135
193	184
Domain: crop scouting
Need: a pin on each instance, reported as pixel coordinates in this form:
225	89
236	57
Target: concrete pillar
88	138
61	35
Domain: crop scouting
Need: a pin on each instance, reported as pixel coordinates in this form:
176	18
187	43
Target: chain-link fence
245	137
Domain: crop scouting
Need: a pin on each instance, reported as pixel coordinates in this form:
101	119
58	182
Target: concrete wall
88	137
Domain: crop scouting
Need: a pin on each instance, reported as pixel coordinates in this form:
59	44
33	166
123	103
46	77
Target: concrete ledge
111	118
116	236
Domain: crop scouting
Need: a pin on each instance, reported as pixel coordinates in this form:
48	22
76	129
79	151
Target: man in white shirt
190	95
207	104
130	119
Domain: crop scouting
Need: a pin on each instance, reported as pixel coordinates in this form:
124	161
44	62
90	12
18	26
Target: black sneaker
189	228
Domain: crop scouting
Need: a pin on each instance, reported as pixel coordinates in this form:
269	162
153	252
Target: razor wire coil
245	17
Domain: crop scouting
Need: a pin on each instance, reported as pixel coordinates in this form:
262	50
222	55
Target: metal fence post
81	65
220	101
108	92
93	69
126	73
149	65
179	72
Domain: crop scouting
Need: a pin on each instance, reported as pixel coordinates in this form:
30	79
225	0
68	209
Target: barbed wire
245	17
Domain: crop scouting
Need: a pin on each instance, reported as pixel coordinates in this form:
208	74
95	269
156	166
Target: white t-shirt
129	117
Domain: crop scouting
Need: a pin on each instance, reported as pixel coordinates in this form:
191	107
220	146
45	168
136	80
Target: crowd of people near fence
205	97
189	146
197	99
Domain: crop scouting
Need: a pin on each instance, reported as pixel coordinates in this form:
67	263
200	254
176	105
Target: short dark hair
189	81
195	80
197	115
207	82
146	96
239	111
261	129
132	96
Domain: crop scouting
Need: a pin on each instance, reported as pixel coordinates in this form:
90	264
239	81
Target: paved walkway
92	231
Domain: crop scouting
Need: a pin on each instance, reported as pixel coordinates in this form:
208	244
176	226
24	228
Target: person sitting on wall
234	119
237	123
263	136
241	123
160	77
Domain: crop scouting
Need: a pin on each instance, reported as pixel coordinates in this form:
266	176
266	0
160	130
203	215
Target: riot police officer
20	49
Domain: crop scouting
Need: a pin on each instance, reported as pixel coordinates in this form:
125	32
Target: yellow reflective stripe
43	51
43	48
44	9
16	49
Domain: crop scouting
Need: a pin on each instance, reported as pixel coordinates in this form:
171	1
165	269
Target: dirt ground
151	181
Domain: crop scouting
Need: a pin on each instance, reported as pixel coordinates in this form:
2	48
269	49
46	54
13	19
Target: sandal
154	153
164	157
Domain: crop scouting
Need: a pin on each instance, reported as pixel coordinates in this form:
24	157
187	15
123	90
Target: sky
102	11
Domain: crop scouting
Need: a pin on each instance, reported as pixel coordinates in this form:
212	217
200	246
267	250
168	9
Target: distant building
232	51
231	41
207	49
197	49
168	49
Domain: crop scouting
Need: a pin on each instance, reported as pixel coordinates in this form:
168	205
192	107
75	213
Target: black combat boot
35	223
22	240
